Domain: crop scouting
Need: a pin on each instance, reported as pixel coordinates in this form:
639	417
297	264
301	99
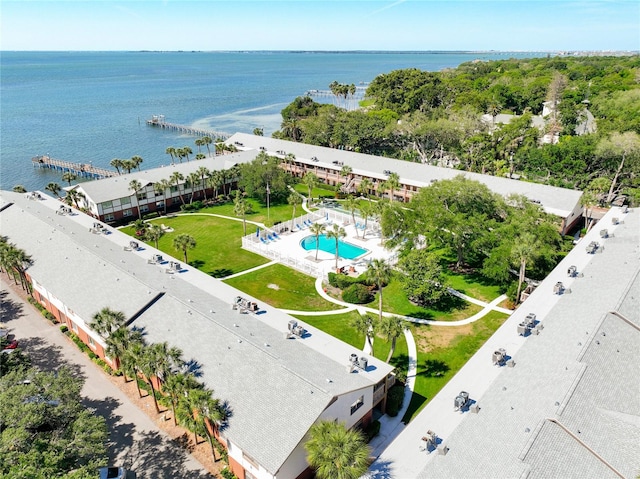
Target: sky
395	25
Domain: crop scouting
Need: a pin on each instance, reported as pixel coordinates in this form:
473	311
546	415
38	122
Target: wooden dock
84	170
159	121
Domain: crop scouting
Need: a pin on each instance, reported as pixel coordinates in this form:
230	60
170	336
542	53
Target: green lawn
337	325
282	288
276	212
394	300
474	285
218	251
447	351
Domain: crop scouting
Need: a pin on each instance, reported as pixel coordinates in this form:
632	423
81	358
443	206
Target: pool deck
288	246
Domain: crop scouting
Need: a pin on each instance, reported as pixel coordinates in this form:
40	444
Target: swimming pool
345	250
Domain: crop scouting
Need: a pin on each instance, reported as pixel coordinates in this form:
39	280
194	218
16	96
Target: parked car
8	344
116	473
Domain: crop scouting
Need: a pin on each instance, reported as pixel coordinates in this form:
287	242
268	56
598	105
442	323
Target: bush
357	294
64	328
394	400
372	430
342	281
195	206
227	474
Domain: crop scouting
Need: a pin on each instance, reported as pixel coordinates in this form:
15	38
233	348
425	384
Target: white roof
558	201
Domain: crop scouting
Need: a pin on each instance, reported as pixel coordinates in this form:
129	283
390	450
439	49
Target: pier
84	170
159	121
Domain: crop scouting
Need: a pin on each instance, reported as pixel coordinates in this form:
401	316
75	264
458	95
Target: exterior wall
341	408
67	316
244	466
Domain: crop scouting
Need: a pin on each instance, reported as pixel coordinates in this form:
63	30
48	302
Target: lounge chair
262	240
299	227
275	235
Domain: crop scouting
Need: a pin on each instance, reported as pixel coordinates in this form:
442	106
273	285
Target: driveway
135	442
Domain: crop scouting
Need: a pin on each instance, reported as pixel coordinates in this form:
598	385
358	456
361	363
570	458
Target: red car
13	344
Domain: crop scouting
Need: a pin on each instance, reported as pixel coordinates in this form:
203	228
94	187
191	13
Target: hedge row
394	400
42	309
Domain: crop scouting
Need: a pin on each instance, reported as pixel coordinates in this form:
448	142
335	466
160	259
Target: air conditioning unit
363	362
292	324
133	245
353	358
177	266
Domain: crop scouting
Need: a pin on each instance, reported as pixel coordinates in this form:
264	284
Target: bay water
91	107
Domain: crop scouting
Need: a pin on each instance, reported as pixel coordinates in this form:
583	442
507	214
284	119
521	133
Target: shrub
342	281
50	316
372	430
357	294
64	328
227	474
394	400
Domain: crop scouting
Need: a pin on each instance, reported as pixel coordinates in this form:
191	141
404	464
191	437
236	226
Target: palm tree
154	233
73	196
135	186
15	260
116	163
311	180
337	232
198	143
317	229
367	325
54	188
294	200
177	386
393	183
365	211
335	452
391	327
177	177
68	177
19	189
203	173
205	414
157	362
161	187
352	205
172	152
186	151
523	250
136	161
128	165
183	242
378	272
193	179
132	362
118	343
241	208
106	321
215	181
346	171
206	141
365	186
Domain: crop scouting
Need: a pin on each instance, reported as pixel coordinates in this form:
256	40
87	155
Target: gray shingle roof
277	387
559	201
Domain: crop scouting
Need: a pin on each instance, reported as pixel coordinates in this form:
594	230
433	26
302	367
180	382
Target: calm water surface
92	106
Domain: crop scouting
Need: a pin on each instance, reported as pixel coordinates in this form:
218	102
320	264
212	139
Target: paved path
135	441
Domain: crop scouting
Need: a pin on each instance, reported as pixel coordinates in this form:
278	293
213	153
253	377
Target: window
126	213
125	201
142	196
144	208
74	326
357	405
107	204
92	342
109	217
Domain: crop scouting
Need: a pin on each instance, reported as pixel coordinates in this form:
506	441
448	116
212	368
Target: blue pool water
345	250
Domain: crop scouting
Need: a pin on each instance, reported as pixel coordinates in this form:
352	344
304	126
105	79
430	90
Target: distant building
111	199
